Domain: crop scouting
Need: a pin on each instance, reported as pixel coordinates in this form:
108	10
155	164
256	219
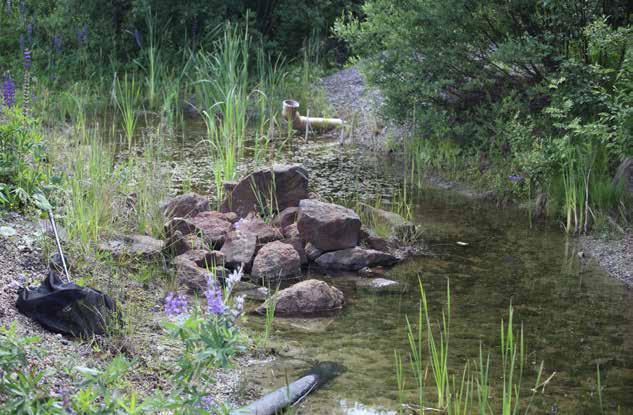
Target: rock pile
301	231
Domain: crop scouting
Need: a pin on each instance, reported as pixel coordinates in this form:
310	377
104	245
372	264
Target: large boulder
194	267
239	249
136	246
212	226
307	298
278	187
276	261
354	259
185	206
327	226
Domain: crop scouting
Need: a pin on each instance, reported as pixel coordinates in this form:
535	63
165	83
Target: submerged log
293	393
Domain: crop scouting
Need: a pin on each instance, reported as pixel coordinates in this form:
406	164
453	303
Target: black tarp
66	308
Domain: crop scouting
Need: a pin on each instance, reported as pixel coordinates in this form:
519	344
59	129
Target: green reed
455	394
152	67
126	95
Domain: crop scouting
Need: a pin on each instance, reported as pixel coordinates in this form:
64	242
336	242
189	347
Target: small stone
354	259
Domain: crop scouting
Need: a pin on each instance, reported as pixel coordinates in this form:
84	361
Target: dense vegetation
540	92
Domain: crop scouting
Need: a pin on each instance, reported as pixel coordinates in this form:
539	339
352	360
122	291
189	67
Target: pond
574	315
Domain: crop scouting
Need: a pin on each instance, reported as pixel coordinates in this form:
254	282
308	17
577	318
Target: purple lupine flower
207	402
175	304
137	38
22	42
8	90
215	304
516	178
29	32
27	60
82	35
22	8
57	44
237	308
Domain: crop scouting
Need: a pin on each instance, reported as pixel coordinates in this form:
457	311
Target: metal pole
59	245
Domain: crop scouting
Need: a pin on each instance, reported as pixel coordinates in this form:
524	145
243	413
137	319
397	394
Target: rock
7	231
312	252
212	226
239	248
193	268
305	325
185	206
624	175
287	184
373	241
263	232
380	285
138	246
177	243
202	258
327	226
276	261
298	244
291	231
396	224
307	298
286	217
367	272
251	291
354	259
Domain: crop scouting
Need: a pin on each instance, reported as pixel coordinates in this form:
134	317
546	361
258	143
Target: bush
23	170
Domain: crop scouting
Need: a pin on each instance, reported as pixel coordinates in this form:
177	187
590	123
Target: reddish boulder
276	261
327	226
307	298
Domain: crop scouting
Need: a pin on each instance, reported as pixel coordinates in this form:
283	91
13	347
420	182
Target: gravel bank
614	255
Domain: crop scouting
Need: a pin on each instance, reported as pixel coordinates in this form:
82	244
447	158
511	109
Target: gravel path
360	107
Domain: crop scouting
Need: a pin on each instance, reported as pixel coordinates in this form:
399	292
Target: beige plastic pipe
290	112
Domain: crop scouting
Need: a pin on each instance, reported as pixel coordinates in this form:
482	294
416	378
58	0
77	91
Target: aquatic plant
455	397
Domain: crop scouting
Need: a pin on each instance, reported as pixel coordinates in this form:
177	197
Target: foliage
523	88
23	170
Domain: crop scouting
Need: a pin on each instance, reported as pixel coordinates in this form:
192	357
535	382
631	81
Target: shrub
23	170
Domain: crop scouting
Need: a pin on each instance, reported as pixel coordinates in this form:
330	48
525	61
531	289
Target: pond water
574	315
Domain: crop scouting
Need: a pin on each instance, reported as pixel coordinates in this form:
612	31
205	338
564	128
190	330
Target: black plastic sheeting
66	308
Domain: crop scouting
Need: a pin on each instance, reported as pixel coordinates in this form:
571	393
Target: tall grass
153	64
125	94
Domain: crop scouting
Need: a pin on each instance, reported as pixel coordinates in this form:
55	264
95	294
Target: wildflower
27	59
9	6
233	278
137	38
215	304
29	32
238	307
57	44
207	402
240	222
22	8
515	178
8	90
175	304
22	42
82	35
